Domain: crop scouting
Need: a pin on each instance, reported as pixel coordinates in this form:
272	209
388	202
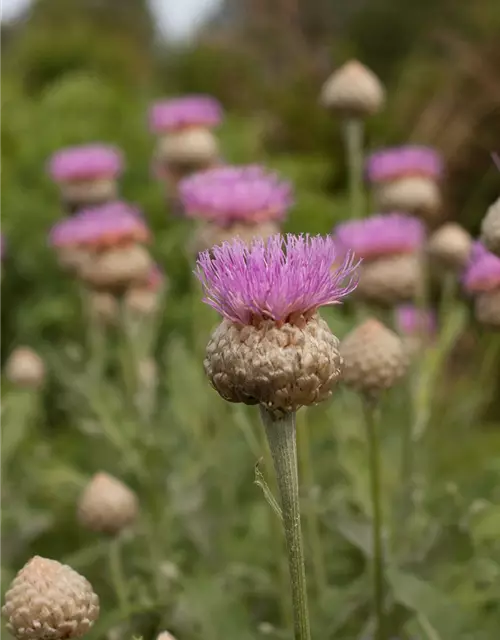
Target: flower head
282	279
353	90
235	194
483	271
399	162
103	226
186	111
411	320
380	235
85	162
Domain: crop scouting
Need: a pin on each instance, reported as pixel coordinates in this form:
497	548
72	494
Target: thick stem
281	436
369	410
353	140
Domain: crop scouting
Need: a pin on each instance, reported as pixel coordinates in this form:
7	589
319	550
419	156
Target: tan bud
72	259
417	195
117	268
487	308
89	192
165	635
490	228
25	368
375	358
208	235
282	368
142	301
107	505
49	601
390	280
353	90
450	246
193	146
103	307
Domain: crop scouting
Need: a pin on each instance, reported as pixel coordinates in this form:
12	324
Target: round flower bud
374	358
487	308
165	635
353	90
103	307
141	301
450	246
390	280
117	268
491	228
107	505
193	147
72	258
281	368
89	192
413	194
25	368
49	601
207	235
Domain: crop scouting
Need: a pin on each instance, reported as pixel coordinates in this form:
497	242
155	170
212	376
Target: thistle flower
272	348
490	228
49	600
380	235
25	368
450	246
353	90
394	163
374	358
107	505
411	321
188	111
482	272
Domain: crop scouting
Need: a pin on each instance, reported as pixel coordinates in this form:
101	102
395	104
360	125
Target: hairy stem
281	436
353	140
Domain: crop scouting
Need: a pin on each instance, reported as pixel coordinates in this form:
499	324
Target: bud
450	246
25	368
487	308
107	505
165	635
390	280
89	192
490	228
193	147
374	358
103	307
353	90
208	235
142	301
49	600
117	268
418	195
72	259
282	368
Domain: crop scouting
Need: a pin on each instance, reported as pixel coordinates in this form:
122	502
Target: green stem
117	575
281	436
312	519
369	410
353	140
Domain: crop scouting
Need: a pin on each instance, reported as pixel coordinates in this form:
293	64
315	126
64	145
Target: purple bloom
86	162
283	278
483	270
380	234
109	224
399	162
411	320
187	111
247	194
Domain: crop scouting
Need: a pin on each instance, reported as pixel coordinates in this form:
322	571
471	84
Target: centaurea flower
186	111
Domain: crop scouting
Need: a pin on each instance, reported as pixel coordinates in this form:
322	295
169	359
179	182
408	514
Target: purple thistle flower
186	111
483	270
411	320
247	194
86	162
380	235
109	224
283	278
400	162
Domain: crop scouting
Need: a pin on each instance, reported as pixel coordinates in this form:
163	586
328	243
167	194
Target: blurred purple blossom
398	162
283	278
186	111
247	194
107	224
483	270
380	234
411	320
86	162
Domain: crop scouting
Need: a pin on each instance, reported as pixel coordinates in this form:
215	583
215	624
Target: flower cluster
187	111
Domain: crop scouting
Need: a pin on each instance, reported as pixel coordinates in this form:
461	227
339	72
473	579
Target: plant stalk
281	436
117	575
353	129
369	410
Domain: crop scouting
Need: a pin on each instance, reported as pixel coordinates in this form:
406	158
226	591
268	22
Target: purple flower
247	194
283	278
380	234
399	162
483	270
411	320
107	225
86	162
187	111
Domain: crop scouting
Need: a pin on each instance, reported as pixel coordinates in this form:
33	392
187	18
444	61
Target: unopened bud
353	90
25	368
